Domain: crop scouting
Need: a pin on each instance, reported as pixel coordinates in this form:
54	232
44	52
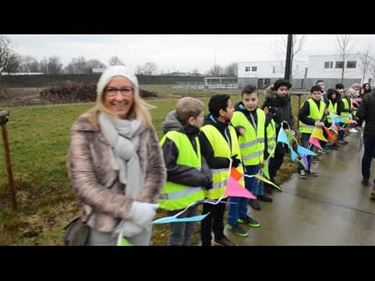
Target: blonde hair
139	110
188	107
356	85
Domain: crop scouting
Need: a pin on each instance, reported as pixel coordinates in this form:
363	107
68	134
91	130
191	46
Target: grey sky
173	52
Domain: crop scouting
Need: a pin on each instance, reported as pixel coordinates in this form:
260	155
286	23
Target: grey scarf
123	137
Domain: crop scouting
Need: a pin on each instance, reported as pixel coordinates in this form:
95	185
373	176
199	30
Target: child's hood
171	123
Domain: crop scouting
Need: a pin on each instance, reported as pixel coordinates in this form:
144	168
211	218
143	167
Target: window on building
339	64
247	68
267	82
351	64
273	69
328	64
254	69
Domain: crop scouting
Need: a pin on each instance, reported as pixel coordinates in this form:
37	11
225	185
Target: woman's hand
143	213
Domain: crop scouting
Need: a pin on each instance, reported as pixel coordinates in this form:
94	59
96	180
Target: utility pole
288	61
288	68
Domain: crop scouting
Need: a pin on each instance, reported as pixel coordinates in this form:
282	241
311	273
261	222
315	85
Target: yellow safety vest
315	114
331	108
176	196
221	149
252	143
271	137
346	106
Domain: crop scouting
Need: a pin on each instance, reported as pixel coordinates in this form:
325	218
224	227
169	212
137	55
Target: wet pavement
331	209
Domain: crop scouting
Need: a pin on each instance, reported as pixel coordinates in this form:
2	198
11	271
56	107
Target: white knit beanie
117	70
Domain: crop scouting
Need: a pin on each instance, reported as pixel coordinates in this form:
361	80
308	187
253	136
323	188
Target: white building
329	68
264	73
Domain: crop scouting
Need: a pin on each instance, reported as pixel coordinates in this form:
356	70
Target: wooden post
8	166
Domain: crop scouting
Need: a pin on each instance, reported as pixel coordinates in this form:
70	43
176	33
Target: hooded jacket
279	107
177	173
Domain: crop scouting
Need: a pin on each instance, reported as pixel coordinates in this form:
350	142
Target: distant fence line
202	85
39	81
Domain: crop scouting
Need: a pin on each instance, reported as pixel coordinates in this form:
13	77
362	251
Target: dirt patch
19	96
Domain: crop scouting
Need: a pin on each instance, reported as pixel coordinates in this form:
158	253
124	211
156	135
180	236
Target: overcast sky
174	52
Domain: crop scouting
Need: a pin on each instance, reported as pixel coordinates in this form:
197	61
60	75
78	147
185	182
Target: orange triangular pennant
237	175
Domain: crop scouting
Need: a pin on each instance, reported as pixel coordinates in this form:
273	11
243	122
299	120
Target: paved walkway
332	209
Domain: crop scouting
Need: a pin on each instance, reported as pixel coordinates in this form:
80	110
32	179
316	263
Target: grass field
39	140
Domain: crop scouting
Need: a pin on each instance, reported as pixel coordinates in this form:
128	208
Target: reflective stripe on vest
271	136
179	194
315	114
221	148
176	196
252	143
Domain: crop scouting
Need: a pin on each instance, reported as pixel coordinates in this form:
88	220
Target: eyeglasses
112	92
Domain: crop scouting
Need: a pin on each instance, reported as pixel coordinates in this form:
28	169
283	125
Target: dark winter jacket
280	108
367	112
178	173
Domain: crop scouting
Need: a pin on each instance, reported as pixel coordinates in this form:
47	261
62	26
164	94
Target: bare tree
94	63
195	72
28	64
43	65
366	62
231	69
78	65
5	52
54	65
280	47
139	69
115	60
13	64
345	45
216	70
150	68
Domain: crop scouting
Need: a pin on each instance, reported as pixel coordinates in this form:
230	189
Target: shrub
71	92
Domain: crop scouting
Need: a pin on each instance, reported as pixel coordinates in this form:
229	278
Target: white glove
319	124
143	213
129	228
